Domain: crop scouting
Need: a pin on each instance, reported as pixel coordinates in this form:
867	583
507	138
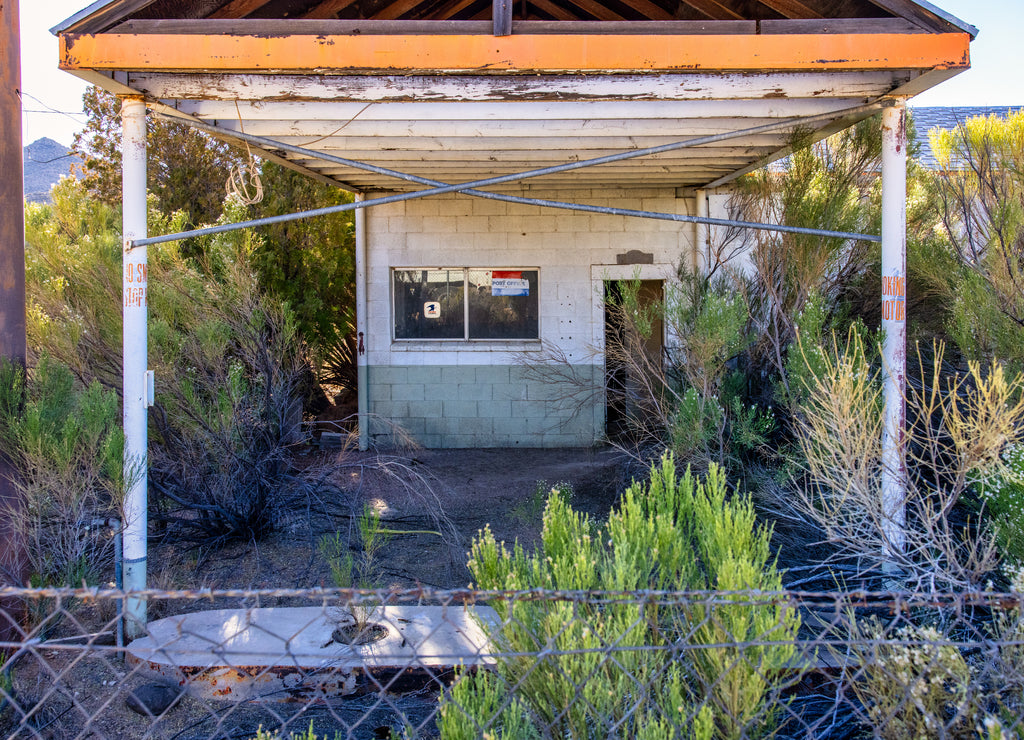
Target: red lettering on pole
894	286
135	297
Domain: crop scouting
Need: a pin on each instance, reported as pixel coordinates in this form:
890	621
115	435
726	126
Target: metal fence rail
518	664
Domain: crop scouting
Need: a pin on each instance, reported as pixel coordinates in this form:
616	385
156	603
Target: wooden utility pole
12	195
12	273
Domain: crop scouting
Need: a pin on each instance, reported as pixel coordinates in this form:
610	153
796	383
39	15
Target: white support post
134	312
362	394
894	327
703	232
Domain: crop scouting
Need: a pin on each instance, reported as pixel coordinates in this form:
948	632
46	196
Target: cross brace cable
470	188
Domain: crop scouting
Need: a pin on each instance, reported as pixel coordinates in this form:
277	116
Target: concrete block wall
479	406
477	394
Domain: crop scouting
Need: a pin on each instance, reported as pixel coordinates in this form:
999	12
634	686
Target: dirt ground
455	492
419	494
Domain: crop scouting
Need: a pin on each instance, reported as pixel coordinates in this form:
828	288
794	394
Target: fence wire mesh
517	664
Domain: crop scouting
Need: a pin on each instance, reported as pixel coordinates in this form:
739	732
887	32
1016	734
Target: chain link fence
518	664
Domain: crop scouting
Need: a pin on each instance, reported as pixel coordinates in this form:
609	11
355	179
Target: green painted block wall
444	406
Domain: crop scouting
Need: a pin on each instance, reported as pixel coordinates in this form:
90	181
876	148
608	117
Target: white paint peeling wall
461	231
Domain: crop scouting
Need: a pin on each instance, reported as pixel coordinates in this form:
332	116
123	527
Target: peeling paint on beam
554	53
514	112
534	88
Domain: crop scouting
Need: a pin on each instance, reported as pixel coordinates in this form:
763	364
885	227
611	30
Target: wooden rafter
791	8
446	12
652	11
555	11
239	8
714	10
396	10
914	12
597	10
103	19
327	9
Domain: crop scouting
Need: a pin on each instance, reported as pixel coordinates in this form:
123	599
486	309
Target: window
465	303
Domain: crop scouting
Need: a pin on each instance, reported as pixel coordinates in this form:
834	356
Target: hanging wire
244	182
244	179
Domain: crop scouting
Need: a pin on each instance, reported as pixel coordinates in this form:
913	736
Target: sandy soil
454	492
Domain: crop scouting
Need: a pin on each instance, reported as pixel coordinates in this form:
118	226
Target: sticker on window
509	282
432	310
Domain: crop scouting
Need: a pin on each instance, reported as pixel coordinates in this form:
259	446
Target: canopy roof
458	90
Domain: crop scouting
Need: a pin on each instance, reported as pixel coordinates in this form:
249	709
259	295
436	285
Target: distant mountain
46	162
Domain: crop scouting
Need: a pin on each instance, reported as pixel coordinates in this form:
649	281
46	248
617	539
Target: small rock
151	699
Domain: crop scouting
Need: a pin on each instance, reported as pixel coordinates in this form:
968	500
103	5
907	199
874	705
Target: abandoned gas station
508	159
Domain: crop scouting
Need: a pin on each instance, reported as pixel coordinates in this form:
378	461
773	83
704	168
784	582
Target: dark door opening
626	394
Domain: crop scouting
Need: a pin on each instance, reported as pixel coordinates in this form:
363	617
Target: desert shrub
826	185
66	443
1001	672
957	427
309	734
914	683
308	264
229	414
688	401
363	570
981	184
231	366
1003	497
479	705
674	533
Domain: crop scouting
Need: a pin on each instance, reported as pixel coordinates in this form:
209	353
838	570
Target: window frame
465	338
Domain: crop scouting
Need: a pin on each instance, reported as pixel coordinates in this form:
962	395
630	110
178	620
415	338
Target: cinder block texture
494	411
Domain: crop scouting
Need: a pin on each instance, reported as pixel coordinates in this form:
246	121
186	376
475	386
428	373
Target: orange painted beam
554	53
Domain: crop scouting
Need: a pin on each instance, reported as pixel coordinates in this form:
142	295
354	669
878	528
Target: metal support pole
363	340
134	311
894	327
703	232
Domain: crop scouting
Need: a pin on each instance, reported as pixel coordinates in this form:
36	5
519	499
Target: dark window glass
429	304
502	304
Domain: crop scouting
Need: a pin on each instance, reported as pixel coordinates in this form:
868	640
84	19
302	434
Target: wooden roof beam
714	10
238	8
456	6
395	10
555	11
600	12
327	9
934	22
652	11
521	53
791	8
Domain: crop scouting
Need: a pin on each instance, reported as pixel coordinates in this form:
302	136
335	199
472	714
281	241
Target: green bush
1003	497
981	187
229	360
673	533
67	445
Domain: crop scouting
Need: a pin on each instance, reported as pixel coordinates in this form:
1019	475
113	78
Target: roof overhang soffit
717	81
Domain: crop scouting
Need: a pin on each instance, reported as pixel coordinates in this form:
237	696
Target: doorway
630	359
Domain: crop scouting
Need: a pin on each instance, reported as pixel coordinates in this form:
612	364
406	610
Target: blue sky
996	76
